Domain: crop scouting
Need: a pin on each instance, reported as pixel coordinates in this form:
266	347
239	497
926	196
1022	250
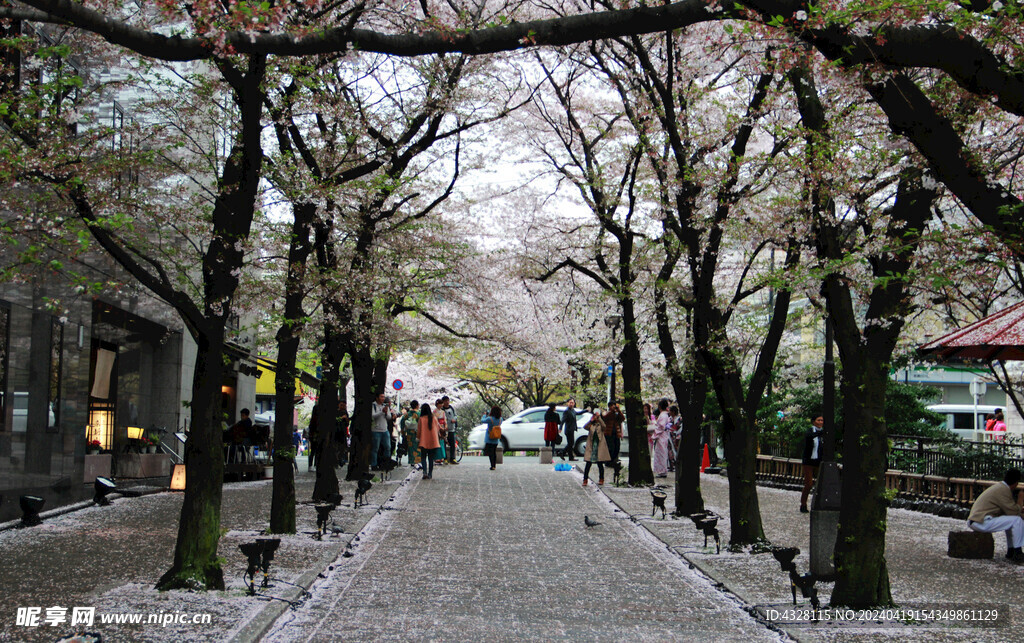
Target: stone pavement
110	557
920	573
477	553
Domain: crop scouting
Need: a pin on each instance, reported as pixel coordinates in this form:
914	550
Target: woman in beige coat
429	441
597	448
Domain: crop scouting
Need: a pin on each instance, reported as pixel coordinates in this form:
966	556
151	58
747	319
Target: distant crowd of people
425	435
604	436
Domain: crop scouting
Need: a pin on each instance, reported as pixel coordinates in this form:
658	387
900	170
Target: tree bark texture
640	471
282	505
196	565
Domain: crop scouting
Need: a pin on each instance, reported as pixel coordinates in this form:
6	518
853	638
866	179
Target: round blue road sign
398	384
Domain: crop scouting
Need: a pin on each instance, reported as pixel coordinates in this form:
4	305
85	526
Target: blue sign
611	369
398	384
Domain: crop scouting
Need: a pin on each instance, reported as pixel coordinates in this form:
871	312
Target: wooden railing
910	486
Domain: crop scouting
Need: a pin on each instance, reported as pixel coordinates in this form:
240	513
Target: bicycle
458	450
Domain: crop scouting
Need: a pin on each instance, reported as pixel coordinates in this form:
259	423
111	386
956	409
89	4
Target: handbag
494	433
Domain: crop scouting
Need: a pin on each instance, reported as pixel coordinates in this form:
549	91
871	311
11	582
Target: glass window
534	416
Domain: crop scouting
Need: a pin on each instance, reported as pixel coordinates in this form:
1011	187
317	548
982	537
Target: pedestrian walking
999	427
597	448
811	456
675	435
613	419
569	428
551	428
492	437
428	439
451	422
314	437
379	412
442	431
662	428
341	433
410	429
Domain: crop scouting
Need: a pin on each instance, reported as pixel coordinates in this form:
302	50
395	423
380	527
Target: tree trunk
362	379
744	507
690	391
862	577
691	395
282	505
326	483
196	565
640	471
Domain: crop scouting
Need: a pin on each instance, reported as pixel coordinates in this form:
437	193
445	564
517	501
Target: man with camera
379	413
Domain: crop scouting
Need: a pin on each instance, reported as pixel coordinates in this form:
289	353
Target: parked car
524	431
960	418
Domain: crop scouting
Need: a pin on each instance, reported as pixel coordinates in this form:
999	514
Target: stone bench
970	544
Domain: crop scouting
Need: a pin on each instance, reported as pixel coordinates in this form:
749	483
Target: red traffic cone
706	460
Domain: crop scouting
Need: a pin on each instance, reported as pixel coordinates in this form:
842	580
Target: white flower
996	6
801	15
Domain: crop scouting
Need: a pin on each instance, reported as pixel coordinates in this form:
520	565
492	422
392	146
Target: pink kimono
662	437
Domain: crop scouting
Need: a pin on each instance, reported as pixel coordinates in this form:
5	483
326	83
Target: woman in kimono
442	431
662	435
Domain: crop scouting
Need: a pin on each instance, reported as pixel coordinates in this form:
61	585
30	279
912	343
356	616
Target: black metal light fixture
710	528
805	582
102	487
270	546
362	487
30	508
254	552
658	497
323	515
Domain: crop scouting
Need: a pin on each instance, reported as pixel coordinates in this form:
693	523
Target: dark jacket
809	437
569	421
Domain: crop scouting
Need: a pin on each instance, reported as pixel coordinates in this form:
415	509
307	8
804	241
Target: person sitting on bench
996	510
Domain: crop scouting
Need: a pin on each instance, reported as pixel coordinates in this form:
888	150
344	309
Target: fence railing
917	487
931	456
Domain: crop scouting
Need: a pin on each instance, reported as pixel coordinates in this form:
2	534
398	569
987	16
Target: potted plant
146	445
94	447
154	443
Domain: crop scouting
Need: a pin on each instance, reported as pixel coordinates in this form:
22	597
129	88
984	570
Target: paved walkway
474	553
479	555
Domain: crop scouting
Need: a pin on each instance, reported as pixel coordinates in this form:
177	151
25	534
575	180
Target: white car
524	431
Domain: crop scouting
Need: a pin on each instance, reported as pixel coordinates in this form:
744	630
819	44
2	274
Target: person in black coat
569	427
811	456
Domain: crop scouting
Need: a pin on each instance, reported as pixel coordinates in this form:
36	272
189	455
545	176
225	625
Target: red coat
551	431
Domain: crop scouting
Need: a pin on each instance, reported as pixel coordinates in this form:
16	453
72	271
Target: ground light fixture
30	508
805	582
135	432
102	487
270	546
658	497
178	478
323	514
254	552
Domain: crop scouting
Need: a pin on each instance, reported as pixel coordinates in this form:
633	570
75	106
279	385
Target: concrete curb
260	624
83	504
708	572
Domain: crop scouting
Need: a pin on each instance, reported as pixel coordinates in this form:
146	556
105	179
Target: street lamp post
612	321
828	492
